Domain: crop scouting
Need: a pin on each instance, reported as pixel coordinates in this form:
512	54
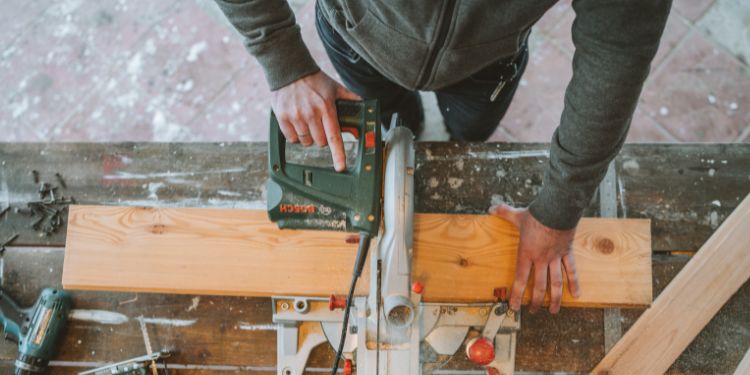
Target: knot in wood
463	262
158	229
604	246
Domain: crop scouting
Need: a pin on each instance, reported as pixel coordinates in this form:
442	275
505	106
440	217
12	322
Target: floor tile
171	74
561	34
15	17
538	103
554	16
115	71
701	94
692	9
674	32
728	23
241	111
47	73
644	129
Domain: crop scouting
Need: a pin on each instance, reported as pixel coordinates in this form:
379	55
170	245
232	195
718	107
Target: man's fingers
288	130
507	212
343	93
523	268
540	286
303	132
333	137
556	285
570	269
317	132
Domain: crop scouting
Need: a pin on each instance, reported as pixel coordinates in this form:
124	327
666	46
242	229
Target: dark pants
467	108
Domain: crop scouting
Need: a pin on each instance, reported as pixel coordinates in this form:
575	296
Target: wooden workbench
687	190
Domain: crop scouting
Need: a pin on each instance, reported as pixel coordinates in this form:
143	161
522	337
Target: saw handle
352	194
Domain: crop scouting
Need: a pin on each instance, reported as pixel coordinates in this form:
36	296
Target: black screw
502	309
35	224
35	174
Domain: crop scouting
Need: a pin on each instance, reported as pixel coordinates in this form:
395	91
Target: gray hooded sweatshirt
426	45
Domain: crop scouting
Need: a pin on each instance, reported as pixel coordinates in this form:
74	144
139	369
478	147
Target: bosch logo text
297	208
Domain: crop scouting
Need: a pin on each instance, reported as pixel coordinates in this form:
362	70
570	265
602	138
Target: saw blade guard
319	198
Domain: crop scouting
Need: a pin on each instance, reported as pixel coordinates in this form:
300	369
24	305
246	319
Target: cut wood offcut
695	295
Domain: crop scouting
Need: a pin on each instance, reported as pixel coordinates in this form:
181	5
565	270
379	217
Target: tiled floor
142	70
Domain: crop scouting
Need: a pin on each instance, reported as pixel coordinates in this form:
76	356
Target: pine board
459	258
681	311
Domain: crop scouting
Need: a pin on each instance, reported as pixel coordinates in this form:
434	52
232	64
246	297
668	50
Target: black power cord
359	264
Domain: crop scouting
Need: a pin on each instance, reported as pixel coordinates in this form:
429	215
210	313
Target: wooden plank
239	252
711	277
463	257
686	190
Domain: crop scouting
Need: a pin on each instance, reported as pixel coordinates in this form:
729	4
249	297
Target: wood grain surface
712	276
239	252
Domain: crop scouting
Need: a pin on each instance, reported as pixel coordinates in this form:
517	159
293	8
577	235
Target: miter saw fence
313	197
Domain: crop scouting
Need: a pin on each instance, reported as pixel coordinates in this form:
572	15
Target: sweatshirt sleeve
271	35
615	41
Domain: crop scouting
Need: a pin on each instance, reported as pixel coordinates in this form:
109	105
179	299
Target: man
472	53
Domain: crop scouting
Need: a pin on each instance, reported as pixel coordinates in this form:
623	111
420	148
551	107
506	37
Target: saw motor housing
320	198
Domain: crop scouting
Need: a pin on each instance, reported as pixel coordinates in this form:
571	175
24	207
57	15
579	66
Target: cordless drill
36	329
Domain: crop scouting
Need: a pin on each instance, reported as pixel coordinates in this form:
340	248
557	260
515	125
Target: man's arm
615	42
271	35
303	97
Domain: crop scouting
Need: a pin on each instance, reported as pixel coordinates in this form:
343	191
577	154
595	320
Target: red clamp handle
336	302
480	351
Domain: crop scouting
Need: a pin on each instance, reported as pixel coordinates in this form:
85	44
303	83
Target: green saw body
318	198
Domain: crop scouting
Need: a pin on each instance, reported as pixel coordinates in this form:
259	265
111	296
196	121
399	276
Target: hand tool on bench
391	325
36	329
141	365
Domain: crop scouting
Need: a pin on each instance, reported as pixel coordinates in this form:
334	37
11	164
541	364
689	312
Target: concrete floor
142	70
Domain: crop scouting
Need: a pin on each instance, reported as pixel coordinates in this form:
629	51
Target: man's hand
306	111
548	251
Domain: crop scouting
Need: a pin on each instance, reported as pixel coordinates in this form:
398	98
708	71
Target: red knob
347	367
501	293
336	302
480	351
417	287
353	239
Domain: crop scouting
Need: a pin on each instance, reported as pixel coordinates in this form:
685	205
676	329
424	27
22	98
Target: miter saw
392	328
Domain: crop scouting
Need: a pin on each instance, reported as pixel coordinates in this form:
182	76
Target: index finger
333	135
569	263
523	268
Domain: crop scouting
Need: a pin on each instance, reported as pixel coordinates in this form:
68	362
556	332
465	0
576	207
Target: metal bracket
608	208
300	327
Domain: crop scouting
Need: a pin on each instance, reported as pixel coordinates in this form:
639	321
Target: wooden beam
239	252
681	311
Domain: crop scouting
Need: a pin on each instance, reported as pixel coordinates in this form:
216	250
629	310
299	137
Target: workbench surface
687	191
